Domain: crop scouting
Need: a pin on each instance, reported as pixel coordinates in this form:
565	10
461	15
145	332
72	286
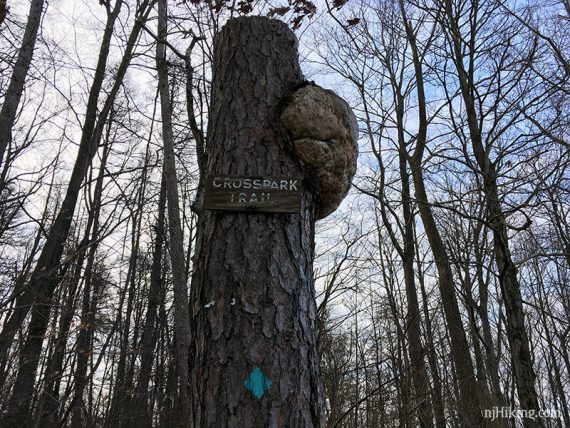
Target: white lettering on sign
247	183
248	198
263	194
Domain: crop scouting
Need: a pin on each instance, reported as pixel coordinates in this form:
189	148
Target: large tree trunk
253	305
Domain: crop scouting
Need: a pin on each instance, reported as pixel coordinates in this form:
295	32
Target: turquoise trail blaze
257	383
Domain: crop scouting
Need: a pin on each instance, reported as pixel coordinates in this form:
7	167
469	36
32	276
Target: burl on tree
325	133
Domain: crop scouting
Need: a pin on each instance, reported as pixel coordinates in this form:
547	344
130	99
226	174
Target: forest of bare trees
442	282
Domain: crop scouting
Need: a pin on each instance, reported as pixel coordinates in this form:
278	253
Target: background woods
442	282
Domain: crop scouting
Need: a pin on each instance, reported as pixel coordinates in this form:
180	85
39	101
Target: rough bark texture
252	300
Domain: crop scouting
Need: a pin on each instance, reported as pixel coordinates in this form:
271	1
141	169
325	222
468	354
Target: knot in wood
325	133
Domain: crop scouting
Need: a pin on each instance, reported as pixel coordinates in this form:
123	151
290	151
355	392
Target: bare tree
181	314
468	45
19	73
44	279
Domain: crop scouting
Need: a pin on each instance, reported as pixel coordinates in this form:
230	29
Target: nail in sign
253	194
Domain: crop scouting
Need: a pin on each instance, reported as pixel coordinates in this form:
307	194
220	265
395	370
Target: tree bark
16	86
3	11
253	311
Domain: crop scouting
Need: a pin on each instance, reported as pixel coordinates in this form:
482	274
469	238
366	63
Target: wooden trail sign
253	194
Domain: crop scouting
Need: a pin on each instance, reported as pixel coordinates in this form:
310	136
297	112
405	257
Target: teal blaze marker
257	383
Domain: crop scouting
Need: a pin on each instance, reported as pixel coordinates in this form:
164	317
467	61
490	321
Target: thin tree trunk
254	317
53	248
406	251
507	271
168	388
3	11
89	299
16	87
468	401
181	310
9	327
510	289
48	407
557	386
400	369
120	390
49	400
413	317
483	310
464	275
197	133
143	413
168	415
438	402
